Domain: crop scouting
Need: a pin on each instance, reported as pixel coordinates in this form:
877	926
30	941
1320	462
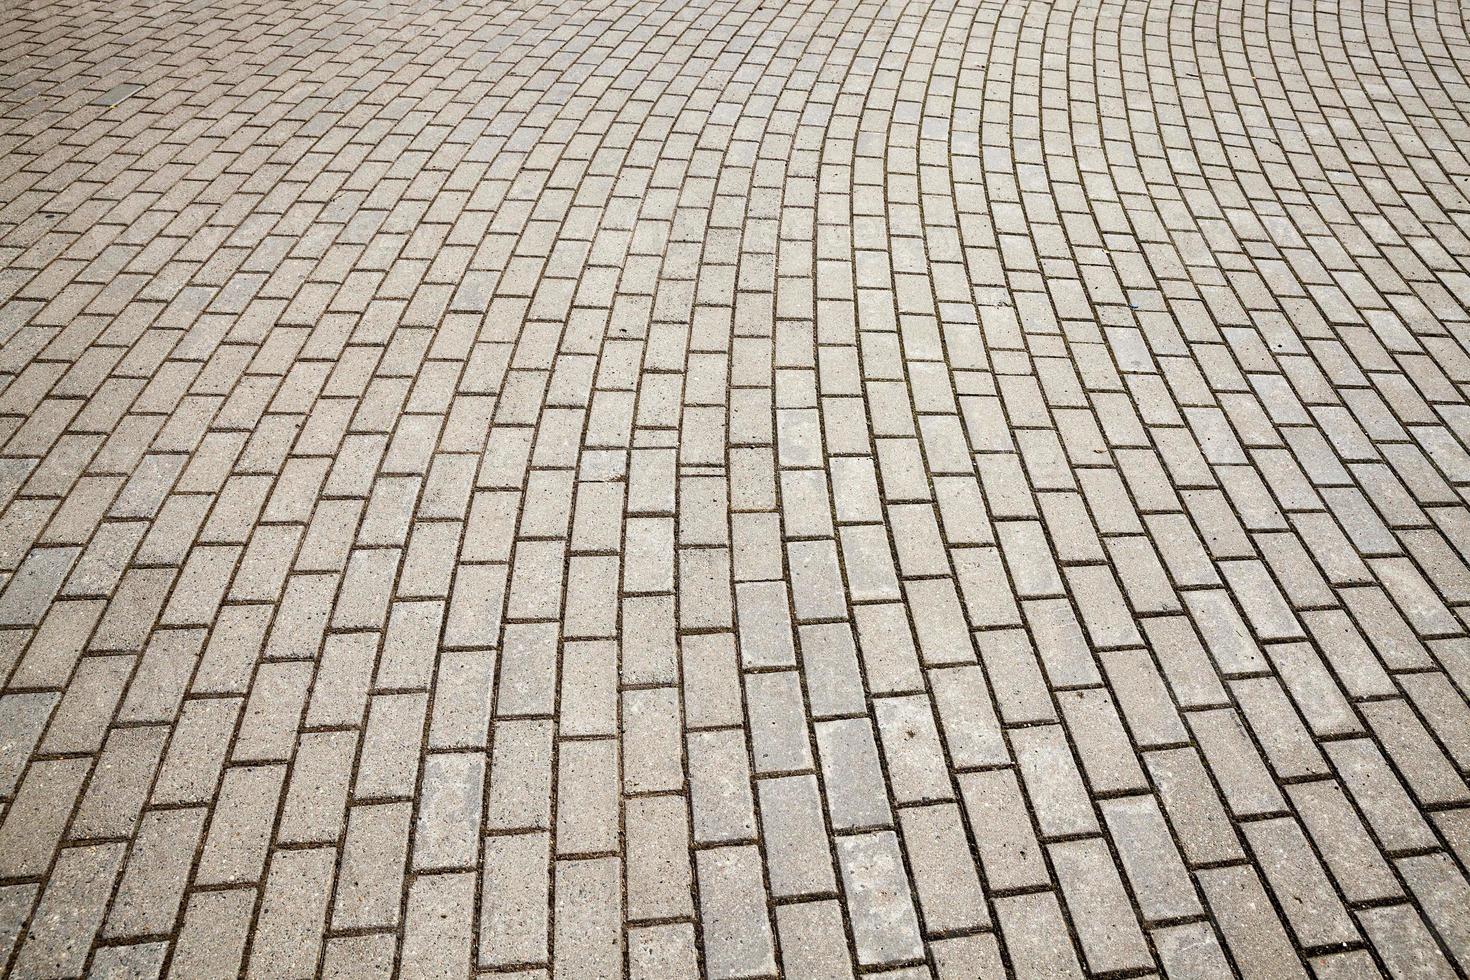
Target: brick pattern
734	488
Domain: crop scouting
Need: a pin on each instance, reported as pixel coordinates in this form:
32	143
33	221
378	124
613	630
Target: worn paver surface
734	488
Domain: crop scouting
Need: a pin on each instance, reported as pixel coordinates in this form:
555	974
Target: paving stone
856	796
513	906
587	797
813	941
38	814
778	727
589	916
370	872
438	927
1150	859
316	797
655	952
798	856
578	488
139	960
1030	925
1190	949
1247	787
945	879
879	902
16	902
1193	807
358	956
911	749
659	875
967	717
293	913
1106	925
1052	782
238	841
1334	826
1441	891
213	938
1401	938
1380	796
736	927
119	784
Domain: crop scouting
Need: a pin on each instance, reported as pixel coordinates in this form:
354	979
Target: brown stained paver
734	488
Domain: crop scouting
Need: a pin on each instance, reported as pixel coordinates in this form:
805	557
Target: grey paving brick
1004	836
587	797
879	901
237	843
521	488
215	931
659	874
813	941
856	796
273	713
736	927
1150	859
944	873
1193	806
16	902
720	787
1247	787
370	871
1052	782
293	913
38	814
662	951
967	718
1401	938
316	796
118	789
1108	759
513	904
1017	681
829	661
651	750
778	726
794	836
358	956
138	960
1301	886
520	780
1379	795
1190	949
1030	925
1441	891
1353	859
1106	925
765	625
589	917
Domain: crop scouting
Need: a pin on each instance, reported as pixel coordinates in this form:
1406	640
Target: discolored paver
734	488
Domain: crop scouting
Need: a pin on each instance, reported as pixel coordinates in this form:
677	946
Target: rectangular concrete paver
734	488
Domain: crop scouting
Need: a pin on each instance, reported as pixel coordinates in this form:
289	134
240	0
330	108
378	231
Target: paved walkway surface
734	488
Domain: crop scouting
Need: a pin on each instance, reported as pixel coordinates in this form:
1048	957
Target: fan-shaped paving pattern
734	488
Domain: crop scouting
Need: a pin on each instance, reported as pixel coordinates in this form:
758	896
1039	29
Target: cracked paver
734	488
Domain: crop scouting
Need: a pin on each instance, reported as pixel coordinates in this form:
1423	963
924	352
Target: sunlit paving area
664	489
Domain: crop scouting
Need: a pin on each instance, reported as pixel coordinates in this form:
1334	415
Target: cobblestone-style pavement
734	488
